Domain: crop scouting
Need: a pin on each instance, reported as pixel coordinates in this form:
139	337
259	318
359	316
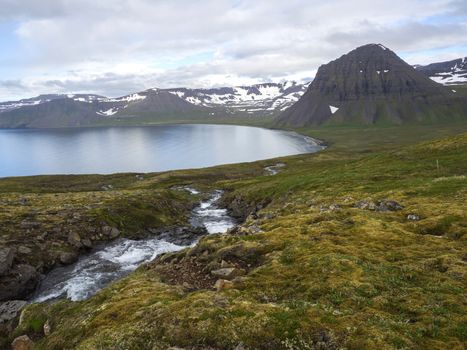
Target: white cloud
119	46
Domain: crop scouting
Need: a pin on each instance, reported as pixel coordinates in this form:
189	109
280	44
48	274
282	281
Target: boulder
222	284
388	205
86	242
74	239
10	310
365	205
111	232
19	283
67	258
6	259
22	343
228	273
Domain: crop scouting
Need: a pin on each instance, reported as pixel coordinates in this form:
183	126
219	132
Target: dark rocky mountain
447	73
372	85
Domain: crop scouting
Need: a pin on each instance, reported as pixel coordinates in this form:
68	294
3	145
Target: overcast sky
114	47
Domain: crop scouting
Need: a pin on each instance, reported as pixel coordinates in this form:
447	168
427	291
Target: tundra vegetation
360	246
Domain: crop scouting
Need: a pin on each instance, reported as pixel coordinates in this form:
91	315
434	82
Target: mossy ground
321	273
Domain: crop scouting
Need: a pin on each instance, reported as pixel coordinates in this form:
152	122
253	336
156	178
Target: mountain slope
267	97
447	73
153	105
372	85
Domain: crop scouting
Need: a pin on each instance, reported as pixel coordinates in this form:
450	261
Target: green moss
321	273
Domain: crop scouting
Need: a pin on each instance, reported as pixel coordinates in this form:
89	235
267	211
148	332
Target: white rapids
116	259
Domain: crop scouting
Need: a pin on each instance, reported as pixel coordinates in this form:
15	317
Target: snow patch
108	112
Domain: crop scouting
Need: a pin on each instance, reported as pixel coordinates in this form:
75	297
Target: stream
111	261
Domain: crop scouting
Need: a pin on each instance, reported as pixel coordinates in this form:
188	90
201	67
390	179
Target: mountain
267	97
84	110
75	110
447	73
372	85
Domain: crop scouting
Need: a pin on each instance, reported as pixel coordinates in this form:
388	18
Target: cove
109	150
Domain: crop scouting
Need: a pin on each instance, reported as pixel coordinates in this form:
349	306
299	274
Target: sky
115	47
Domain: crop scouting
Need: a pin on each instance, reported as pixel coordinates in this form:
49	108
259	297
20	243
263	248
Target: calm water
140	149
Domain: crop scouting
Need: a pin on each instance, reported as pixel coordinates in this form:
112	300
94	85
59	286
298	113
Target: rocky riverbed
111	261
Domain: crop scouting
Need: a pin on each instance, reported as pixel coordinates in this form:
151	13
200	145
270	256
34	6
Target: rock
413	217
181	235
222	284
365	205
67	258
228	273
9	310
47	328
225	264
240	346
74	239
24	250
253	229
22	343
111	232
382	206
19	283
25	224
23	201
388	205
6	259
107	187
86	242
334	207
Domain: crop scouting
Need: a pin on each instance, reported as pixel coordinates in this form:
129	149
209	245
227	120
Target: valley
358	246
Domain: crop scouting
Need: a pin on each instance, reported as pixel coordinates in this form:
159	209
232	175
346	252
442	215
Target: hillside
452	72
359	246
372	85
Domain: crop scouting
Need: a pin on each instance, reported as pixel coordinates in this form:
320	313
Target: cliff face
369	85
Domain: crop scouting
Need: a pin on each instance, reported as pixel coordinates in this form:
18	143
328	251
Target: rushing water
141	149
116	259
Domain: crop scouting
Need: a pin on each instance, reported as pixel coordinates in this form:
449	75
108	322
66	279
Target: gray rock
413	217
365	205
10	310
24	250
228	273
6	259
87	243
388	205
381	206
19	283
26	224
111	232
67	258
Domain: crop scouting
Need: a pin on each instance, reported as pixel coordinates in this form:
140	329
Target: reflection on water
140	149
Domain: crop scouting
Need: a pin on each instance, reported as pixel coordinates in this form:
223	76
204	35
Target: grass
321	273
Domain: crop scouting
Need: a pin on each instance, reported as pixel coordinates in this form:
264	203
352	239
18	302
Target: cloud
119	46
